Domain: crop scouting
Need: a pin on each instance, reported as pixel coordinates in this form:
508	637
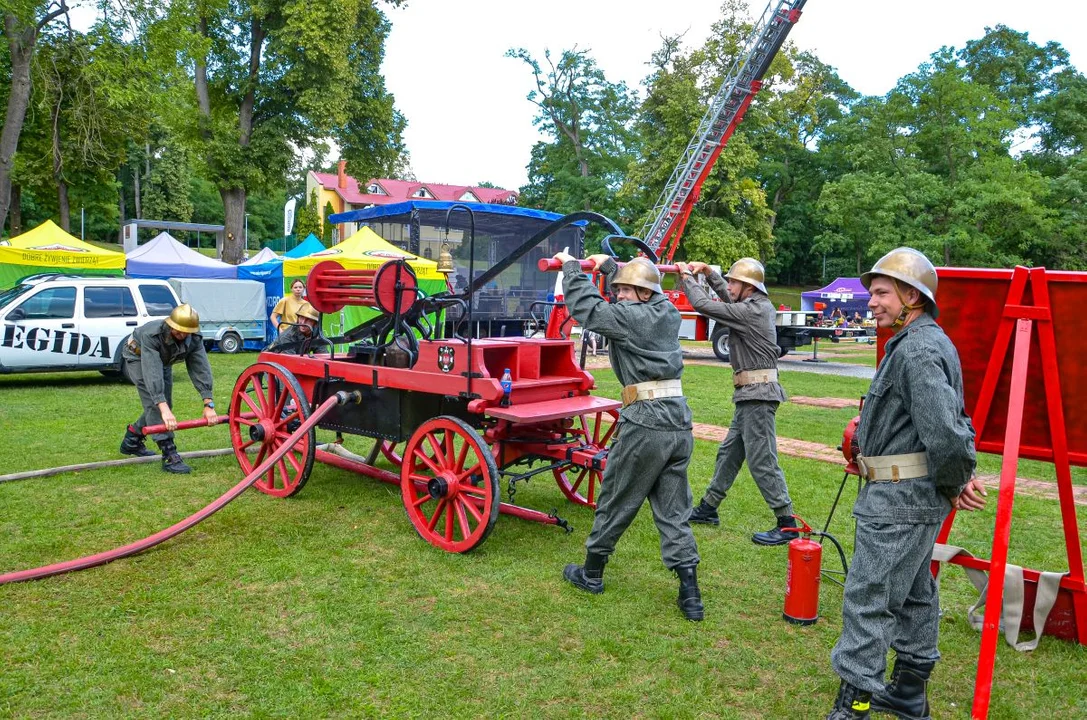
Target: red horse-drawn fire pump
458	414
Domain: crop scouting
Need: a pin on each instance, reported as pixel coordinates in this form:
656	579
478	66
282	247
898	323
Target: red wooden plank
553	409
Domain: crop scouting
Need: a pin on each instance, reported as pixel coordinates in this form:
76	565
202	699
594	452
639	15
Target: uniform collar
924	320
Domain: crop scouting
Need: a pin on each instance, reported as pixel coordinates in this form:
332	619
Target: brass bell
445	260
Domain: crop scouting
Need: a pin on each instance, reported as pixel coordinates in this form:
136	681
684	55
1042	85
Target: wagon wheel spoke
439	457
462	520
471	507
420	455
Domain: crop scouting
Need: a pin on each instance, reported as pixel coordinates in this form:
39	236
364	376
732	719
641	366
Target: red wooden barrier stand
1045	415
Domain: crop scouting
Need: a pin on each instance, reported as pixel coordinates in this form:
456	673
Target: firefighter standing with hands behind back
149	354
917	455
753	351
653	442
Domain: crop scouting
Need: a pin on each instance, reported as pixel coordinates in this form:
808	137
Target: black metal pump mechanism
471	286
638	243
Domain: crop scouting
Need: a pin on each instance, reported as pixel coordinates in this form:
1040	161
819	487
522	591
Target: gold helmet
184	319
910	267
308	311
639	272
750	271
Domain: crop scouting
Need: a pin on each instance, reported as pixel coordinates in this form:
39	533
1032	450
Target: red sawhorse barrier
1026	403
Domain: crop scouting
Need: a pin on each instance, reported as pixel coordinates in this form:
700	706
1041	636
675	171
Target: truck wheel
230	343
783	351
719	339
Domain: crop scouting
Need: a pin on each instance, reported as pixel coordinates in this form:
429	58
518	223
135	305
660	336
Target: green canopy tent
47	248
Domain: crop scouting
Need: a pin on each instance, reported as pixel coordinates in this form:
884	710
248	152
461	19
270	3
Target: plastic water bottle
507	387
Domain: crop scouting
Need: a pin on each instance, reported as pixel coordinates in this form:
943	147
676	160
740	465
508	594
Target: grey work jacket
915	404
158	350
752	337
289	342
644	343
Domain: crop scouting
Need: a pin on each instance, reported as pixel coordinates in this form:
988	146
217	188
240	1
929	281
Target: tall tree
88	103
588	119
24	21
268	77
307	219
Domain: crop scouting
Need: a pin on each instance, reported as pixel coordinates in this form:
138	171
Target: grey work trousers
890	601
151	414
752	436
647	464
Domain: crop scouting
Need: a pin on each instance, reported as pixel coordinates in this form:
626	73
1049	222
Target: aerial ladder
663	229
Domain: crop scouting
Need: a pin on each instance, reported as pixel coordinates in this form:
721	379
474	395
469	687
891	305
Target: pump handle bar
553	265
189	424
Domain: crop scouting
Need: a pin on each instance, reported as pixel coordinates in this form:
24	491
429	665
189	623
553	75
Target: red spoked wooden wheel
449	483
581	484
276	404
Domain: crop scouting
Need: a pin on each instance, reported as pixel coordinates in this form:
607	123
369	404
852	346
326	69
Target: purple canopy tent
845	293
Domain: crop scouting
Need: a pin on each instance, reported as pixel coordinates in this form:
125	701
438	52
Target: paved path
828	454
793	361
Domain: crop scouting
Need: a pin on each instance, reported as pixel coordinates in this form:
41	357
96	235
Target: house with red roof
347	193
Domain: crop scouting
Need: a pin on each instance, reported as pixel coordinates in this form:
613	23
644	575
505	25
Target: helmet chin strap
900	321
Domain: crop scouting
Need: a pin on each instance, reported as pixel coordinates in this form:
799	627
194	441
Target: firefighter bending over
653	441
149	355
917	454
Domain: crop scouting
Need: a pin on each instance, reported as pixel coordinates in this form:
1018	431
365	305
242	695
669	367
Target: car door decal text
40	339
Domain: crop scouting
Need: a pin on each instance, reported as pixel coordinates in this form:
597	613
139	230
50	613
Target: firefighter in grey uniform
753	351
916	452
653	443
149	355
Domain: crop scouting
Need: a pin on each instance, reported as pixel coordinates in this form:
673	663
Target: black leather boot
590	576
775	536
906	696
133	444
852	703
690	598
705	514
171	461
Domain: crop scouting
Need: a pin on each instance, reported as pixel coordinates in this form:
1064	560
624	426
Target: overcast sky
468	117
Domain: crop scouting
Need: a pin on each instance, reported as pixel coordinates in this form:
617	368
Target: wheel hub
256	433
438	487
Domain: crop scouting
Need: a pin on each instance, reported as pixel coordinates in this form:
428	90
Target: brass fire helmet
750	271
184	319
308	311
910	267
639	272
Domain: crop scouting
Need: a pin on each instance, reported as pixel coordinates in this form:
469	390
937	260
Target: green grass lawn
329	605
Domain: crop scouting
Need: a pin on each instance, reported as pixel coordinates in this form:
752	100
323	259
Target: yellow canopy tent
47	248
365	250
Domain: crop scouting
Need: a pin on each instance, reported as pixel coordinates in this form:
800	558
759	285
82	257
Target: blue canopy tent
308	246
271	273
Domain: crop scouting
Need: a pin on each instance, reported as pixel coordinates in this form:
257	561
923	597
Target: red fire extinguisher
802	577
